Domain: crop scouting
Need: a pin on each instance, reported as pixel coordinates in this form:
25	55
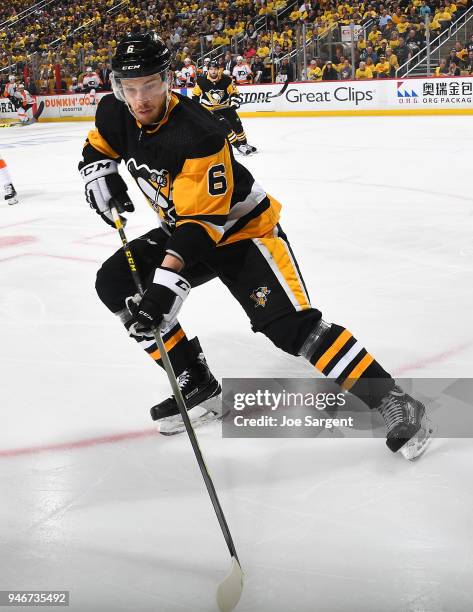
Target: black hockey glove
102	183
235	102
160	302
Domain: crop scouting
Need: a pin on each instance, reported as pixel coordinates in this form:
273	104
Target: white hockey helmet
187	61
239	58
11	78
89	69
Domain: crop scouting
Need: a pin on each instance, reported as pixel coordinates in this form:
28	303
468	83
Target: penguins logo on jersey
215	95
260	296
157	187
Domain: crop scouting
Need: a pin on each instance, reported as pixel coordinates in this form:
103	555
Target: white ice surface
379	212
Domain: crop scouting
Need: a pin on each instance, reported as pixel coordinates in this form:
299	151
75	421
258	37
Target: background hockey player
7	190
25	102
216	221
10	90
75	86
220	96
90	83
242	72
189	72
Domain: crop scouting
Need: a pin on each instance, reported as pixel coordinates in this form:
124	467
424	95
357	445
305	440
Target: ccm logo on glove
102	184
160	302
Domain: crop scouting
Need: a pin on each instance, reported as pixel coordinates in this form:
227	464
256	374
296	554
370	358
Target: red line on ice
67	257
20	223
7	241
147	433
438	358
110	439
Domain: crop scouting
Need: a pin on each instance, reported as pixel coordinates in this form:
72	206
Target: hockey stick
35	118
271	96
229	591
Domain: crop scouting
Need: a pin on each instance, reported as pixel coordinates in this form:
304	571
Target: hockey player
189	72
205	67
216	221
90	83
221	97
10	89
24	105
9	192
242	72
179	79
75	86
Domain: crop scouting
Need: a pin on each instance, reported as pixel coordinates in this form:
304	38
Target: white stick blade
230	589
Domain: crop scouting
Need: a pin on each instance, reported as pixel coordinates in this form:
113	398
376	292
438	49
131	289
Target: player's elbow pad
190	242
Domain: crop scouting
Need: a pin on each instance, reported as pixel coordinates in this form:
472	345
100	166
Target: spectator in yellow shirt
442	68
362	72
403	25
263	51
393	63
314	72
382	68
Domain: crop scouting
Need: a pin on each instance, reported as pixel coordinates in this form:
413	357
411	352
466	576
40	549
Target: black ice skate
201	393
408	428
251	148
243	149
10	194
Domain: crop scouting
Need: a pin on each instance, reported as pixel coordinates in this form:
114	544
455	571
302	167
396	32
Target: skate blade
199	415
418	444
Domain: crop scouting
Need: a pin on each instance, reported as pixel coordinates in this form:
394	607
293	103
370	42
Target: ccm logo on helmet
134	67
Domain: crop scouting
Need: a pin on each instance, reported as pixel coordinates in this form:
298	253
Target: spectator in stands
393	63
362	72
442	68
424	10
371	66
285	72
258	70
382	68
468	70
443	17
329	73
345	71
229	63
461	53
453	69
369	53
314	72
402	52
412	42
384	19
104	73
452	57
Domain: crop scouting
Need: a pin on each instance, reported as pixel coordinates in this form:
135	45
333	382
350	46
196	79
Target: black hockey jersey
186	169
215	94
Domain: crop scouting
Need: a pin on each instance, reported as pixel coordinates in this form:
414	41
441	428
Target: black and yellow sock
341	356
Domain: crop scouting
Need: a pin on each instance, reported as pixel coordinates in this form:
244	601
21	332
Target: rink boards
424	96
